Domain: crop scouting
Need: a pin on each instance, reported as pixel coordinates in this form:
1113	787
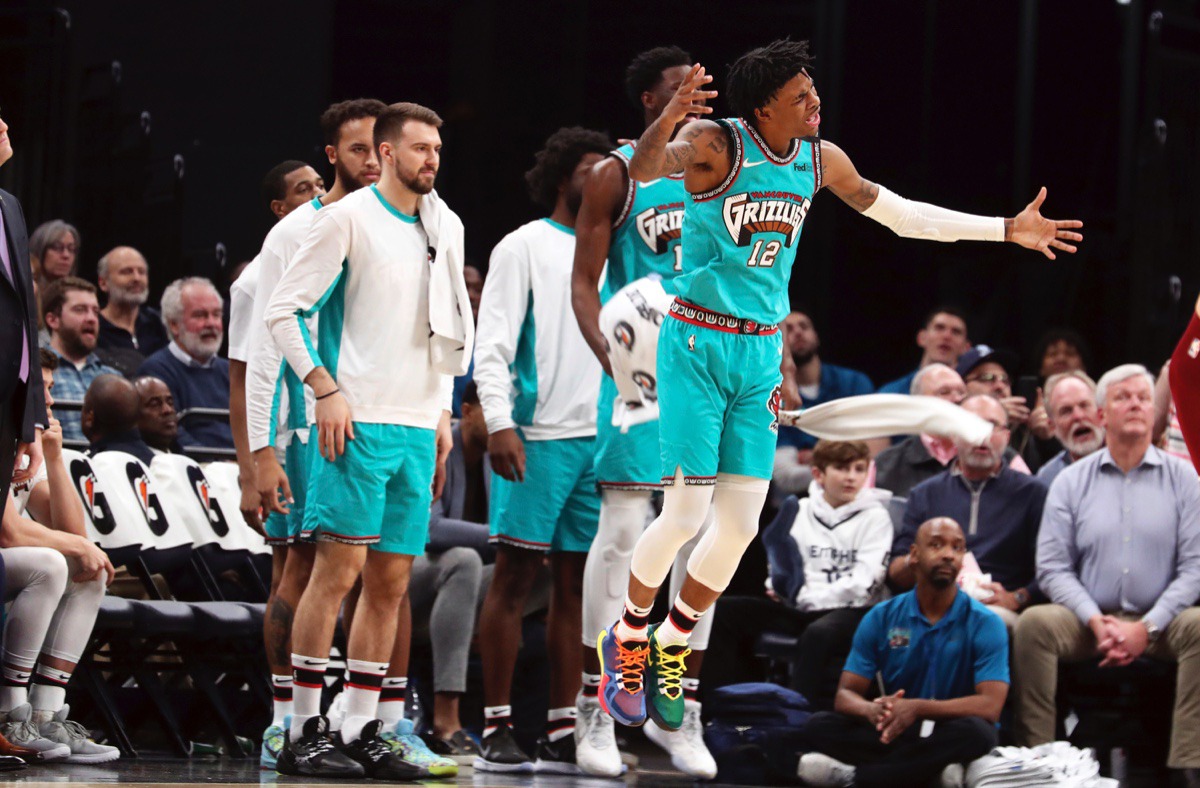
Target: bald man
111	409
129	330
938	660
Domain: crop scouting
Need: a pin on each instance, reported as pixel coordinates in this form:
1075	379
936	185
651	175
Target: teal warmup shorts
557	507
284	529
624	462
378	492
719	399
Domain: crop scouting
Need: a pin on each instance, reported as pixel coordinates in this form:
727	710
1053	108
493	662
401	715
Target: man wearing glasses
999	509
986	370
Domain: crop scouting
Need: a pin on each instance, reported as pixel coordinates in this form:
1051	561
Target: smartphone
1027	387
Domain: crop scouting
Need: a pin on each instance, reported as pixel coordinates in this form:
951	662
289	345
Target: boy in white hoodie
827	558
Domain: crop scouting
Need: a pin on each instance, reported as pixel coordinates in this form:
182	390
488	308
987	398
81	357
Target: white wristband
929	222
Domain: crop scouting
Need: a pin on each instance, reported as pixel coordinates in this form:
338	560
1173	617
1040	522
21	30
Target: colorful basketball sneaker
409	746
622	691
664	683
272	743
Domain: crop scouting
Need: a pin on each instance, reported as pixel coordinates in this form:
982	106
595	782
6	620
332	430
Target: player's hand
335	425
1001	597
1039	419
251	505
690	97
445	442
508	454
1017	410
1034	231
34	452
52	439
93	563
272	487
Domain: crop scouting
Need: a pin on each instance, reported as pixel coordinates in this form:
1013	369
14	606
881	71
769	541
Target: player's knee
54	571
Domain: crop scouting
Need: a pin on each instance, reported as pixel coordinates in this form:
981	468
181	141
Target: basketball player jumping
750	181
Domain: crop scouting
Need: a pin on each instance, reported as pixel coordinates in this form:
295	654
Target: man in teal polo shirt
942	660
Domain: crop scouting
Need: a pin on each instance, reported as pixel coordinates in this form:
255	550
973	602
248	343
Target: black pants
910	759
825	638
10	431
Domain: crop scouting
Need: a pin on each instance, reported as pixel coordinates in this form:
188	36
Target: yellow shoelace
669	668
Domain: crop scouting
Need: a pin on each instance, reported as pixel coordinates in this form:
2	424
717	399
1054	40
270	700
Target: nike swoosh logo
651	183
312	662
754	163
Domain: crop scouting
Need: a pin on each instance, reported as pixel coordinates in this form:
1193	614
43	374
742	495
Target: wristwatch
1022	597
1152	630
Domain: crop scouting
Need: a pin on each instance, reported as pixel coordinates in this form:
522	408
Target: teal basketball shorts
718	395
557	507
378	492
627	461
287	528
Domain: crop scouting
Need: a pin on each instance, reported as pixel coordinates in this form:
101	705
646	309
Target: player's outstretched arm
921	220
603	194
655	155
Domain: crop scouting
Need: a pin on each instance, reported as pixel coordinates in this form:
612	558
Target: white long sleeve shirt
845	550
533	368
364	267
276	399
241	312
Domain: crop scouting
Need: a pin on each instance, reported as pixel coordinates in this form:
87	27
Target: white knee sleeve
71	627
738	501
623	517
699	639
34	580
684	509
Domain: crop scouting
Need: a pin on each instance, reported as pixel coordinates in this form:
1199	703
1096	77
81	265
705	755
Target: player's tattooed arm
655	155
839	175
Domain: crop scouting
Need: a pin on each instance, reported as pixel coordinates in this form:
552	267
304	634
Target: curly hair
343	112
558	159
646	70
755	77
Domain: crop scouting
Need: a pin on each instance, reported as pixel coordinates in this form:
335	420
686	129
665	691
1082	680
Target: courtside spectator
1061	350
942	339
192	310
129	330
72	315
53	251
998	508
986	370
157	421
940	662
1119	557
110	418
808	381
1071	406
827	566
474	279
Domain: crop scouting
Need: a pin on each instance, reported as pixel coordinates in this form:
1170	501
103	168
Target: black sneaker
460	747
500	752
556	757
314	754
377	759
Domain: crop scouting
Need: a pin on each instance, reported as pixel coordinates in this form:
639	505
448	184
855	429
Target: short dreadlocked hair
755	77
559	158
645	70
341	113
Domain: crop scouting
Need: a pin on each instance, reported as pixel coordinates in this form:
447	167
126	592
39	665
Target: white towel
630	322
451	325
882	415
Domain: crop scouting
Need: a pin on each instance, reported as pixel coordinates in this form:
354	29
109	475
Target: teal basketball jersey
740	238
646	234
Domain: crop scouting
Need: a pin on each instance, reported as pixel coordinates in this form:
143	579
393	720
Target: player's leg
66	639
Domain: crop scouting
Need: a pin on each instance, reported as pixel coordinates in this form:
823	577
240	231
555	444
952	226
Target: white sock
494	717
308	679
632	625
560	723
281	704
362	696
678	626
391	700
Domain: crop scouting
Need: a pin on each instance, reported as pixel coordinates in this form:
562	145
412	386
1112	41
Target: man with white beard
129	330
192	311
1071	406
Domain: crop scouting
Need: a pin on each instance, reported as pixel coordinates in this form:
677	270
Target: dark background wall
972	105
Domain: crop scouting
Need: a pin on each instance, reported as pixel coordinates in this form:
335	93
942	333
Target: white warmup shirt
241	312
845	550
533	367
364	266
274	392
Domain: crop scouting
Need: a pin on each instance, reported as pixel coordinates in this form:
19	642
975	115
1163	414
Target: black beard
803	358
939	581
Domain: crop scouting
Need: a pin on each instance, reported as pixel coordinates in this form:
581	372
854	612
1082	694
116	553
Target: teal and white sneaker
402	741
272	744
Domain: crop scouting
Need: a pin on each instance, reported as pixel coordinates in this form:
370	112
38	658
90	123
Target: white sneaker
824	772
686	746
20	730
953	776
55	727
596	750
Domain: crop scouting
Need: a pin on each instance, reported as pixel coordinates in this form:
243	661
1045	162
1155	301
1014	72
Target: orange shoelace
631	662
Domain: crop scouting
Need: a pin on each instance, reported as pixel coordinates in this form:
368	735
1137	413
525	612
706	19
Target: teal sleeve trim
557	226
524	370
391	209
313	355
